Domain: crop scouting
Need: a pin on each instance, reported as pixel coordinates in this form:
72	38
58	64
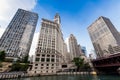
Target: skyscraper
65	53
17	38
74	47
50	48
84	51
104	36
79	50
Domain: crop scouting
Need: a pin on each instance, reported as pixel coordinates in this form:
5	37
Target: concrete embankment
75	73
64	73
8	75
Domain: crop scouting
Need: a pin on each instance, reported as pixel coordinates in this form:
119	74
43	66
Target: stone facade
75	49
50	49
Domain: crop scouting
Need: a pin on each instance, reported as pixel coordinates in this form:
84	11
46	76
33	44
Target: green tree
16	66
25	59
87	67
81	64
2	55
1	64
19	66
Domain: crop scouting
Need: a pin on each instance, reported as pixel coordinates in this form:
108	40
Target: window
52	64
36	64
64	66
38	54
52	55
52	67
35	67
43	55
48	60
42	64
57	60
37	59
52	60
42	59
47	64
48	55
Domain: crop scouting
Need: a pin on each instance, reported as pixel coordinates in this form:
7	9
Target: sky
76	16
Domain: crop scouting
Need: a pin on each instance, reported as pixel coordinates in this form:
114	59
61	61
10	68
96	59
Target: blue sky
76	15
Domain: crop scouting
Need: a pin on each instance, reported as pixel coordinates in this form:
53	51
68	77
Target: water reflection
95	77
73	77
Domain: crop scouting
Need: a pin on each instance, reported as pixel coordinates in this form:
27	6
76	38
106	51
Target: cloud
9	7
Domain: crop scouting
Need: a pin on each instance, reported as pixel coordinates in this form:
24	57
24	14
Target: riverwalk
67	73
8	75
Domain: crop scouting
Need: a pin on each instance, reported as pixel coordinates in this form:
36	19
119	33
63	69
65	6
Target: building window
37	59
42	64
52	64
48	55
47	64
53	55
42	59
36	64
57	60
35	67
48	60
52	67
43	55
52	60
38	54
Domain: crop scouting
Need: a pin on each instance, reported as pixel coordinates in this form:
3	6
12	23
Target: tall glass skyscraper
105	37
17	38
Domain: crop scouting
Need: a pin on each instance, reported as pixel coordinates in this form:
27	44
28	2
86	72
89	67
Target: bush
2	55
19	67
81	64
1	64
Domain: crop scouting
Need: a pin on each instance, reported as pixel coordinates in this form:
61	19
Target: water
73	77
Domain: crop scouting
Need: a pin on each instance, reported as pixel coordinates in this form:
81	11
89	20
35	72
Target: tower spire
57	18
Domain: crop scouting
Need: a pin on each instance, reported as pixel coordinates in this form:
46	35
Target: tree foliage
1	64
19	67
25	59
81	64
2	55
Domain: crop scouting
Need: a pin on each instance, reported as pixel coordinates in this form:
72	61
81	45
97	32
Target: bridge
108	64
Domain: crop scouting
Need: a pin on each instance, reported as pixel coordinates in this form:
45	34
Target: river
73	77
